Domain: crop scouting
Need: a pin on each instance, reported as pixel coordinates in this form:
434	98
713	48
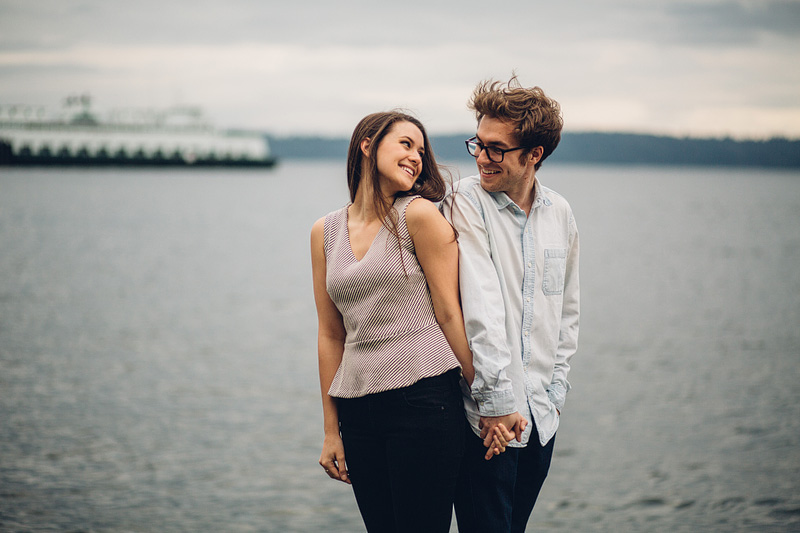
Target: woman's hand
496	434
332	458
500	438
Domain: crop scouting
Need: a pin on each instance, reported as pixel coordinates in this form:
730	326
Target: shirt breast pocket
555	267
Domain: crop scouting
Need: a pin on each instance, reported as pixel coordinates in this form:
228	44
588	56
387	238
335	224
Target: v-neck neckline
350	243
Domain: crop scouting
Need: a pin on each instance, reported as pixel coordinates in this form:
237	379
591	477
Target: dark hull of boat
7	158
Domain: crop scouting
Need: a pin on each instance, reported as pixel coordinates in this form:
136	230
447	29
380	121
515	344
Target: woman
391	333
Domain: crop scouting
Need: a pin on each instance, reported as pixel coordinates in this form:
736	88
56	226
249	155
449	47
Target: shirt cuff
557	394
498	403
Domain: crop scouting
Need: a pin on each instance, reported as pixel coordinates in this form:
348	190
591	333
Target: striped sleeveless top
393	339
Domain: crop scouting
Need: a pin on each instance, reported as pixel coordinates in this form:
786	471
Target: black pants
403	450
497	496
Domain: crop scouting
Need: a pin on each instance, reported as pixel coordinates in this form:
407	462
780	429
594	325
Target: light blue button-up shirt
520	296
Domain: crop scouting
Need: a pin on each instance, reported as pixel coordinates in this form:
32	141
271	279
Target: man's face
509	176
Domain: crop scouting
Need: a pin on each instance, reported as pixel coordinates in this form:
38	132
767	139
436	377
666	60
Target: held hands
495	432
332	458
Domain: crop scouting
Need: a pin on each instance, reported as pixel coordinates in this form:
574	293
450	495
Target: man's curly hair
537	118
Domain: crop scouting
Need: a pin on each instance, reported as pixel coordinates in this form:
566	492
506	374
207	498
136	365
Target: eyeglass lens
495	155
474	147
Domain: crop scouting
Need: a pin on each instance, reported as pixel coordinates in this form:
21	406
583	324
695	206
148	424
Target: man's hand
498	431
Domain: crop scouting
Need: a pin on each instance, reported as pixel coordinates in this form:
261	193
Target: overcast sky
701	67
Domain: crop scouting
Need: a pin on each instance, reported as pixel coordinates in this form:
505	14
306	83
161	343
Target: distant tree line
651	149
612	148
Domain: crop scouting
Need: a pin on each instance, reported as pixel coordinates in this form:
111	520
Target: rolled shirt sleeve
483	307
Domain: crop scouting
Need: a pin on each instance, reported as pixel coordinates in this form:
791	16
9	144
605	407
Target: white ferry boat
180	136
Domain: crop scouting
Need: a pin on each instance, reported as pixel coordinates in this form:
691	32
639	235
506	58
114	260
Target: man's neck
525	197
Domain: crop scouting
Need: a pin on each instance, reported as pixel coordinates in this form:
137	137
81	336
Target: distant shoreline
591	147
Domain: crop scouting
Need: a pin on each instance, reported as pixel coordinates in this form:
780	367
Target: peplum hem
379	365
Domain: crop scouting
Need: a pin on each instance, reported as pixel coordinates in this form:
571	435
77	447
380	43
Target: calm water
158	372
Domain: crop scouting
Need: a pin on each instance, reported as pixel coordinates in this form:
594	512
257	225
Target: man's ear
365	147
535	155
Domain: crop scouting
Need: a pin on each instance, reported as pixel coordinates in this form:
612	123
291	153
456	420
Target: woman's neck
363	207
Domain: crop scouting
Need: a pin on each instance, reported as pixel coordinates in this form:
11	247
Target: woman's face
399	157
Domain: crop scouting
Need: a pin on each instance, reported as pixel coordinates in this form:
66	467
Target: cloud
317	67
735	21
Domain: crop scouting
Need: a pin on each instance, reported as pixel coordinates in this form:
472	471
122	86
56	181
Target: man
518	264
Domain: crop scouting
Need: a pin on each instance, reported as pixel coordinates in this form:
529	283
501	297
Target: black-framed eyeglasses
495	154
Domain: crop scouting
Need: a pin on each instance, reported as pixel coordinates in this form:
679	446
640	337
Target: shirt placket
528	283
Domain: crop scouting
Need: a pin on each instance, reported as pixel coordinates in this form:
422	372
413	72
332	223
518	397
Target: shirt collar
501	199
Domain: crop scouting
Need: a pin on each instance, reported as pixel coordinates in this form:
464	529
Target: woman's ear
365	147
